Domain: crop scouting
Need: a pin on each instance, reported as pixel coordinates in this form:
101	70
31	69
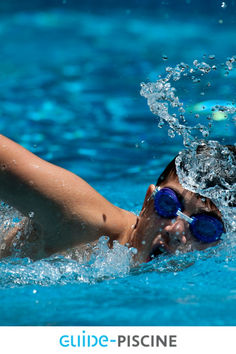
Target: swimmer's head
154	234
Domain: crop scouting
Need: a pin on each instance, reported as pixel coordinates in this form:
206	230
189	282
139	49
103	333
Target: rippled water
69	92
196	289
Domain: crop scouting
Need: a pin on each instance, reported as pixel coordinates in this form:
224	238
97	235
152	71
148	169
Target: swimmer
67	212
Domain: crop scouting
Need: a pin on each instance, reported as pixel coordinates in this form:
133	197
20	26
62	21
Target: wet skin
154	234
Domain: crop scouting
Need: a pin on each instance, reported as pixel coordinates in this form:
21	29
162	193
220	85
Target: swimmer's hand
147	238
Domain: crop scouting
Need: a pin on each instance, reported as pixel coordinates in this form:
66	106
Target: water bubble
133	250
171	133
169	69
161	124
229	63
18	235
204	68
205	133
3	246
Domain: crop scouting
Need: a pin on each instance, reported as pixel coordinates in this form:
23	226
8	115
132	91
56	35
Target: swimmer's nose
176	231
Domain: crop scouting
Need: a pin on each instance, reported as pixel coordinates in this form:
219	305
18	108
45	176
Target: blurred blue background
71	71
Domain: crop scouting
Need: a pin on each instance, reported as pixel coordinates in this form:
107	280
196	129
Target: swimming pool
70	82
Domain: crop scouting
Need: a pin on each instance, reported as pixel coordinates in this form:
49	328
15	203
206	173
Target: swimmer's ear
149	192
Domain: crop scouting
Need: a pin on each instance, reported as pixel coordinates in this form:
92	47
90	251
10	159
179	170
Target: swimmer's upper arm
63	204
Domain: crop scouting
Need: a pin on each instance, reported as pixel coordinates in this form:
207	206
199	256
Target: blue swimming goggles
205	228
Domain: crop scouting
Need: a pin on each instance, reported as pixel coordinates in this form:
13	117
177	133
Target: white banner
71	340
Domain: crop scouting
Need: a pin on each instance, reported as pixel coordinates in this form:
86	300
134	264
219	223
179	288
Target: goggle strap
184	216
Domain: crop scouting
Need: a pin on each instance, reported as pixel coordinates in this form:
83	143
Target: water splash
103	263
165	104
213	176
204	167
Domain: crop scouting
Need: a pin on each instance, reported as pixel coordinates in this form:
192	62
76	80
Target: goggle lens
166	203
206	228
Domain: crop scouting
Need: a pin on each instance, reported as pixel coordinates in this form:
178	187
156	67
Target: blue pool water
69	92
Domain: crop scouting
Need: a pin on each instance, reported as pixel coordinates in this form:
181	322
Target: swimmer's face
154	234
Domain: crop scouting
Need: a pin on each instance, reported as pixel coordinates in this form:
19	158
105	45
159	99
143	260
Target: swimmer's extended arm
66	208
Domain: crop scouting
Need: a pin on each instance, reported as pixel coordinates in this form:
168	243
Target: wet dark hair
170	171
